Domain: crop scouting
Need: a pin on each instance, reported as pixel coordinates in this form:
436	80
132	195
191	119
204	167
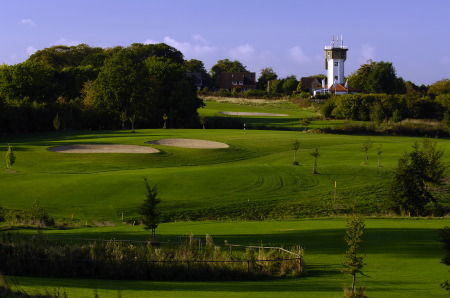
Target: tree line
393	107
81	87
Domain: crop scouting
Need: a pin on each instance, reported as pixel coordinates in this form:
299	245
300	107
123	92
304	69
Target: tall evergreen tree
10	157
151	217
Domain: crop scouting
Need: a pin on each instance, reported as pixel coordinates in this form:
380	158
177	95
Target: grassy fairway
257	168
402	259
291	121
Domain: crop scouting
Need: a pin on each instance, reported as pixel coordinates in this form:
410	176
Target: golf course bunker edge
189	143
102	148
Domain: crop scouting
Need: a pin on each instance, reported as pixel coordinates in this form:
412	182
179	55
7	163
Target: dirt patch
102	148
189	143
253	114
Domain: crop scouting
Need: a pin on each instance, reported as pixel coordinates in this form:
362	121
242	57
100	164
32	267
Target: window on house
234	82
241	83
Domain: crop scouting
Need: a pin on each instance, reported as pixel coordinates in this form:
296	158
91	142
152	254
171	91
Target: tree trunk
353	283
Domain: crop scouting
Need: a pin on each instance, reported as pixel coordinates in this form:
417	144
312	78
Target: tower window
336	63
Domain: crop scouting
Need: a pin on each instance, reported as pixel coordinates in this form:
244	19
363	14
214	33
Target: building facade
241	81
335	56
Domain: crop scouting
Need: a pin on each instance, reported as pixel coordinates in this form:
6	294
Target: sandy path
189	143
102	148
253	114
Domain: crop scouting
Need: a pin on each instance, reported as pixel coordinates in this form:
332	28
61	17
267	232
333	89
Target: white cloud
65	42
151	41
31	50
200	39
367	53
196	49
181	46
27	22
298	55
244	52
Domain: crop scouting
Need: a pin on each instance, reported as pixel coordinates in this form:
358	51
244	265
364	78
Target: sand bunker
189	143
253	114
102	148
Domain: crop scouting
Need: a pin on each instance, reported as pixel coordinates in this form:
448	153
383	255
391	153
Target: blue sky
287	35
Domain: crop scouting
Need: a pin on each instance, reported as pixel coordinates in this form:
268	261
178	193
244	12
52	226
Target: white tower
335	56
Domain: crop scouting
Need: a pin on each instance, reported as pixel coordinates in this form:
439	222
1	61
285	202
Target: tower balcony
336	47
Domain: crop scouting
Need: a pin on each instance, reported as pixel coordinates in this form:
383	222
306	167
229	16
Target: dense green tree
225	65
267	74
376	113
172	92
353	262
275	87
440	87
122	85
150	215
408	193
144	51
444	101
72	78
184	104
197	66
62	56
435	170
28	81
414	90
289	85
377	77
445	239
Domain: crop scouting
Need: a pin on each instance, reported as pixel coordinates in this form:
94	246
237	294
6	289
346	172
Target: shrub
125	260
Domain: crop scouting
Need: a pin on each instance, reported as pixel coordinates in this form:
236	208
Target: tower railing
335	47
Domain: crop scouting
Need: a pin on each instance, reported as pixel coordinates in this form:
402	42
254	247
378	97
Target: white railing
335	47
